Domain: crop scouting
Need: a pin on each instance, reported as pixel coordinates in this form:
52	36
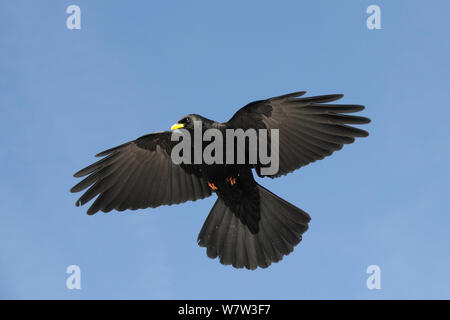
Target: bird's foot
231	180
212	186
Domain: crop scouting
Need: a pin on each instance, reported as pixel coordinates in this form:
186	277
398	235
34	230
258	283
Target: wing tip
329	97
91	211
366	120
79	174
289	95
362	133
104	153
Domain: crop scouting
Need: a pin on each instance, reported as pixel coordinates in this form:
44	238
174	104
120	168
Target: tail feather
281	227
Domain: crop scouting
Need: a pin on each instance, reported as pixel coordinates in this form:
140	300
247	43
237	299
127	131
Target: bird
248	226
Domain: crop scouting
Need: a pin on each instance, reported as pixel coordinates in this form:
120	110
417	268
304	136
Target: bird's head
187	122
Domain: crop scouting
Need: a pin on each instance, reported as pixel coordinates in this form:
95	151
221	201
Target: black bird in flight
248	226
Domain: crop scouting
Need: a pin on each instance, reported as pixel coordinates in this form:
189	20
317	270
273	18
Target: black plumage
248	226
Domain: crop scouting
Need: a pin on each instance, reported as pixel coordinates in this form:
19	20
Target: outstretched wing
139	174
310	128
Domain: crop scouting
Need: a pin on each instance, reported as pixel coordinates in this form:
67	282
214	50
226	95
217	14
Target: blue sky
137	67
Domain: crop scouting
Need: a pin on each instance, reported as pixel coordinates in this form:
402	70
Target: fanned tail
281	226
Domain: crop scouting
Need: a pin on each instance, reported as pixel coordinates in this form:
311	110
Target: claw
231	180
212	186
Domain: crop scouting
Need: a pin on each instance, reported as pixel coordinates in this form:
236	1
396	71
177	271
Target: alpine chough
248	226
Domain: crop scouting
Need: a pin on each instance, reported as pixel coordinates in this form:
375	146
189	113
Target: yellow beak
177	126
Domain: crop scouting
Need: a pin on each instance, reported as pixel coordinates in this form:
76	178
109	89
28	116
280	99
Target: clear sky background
137	67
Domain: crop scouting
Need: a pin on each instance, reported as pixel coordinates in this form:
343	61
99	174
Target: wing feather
138	174
310	128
